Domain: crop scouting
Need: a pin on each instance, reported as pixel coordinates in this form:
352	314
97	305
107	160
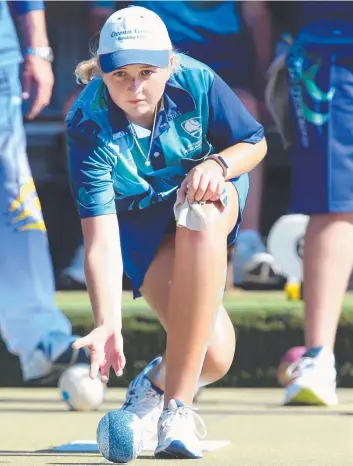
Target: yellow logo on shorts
26	209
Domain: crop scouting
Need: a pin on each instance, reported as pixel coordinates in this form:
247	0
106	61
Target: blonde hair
86	70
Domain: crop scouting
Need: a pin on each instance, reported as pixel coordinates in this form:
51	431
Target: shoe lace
143	397
186	412
297	368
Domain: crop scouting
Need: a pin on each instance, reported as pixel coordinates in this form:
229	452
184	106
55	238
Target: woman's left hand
205	182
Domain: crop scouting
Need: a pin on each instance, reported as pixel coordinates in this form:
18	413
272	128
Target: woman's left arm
233	132
235	136
243	157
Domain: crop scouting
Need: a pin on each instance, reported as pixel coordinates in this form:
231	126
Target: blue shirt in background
212	32
207	30
10	51
316	12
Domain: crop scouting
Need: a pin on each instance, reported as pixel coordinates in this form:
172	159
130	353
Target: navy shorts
142	231
321	101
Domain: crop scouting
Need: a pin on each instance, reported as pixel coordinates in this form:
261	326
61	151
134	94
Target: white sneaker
178	436
51	357
313	379
253	267
146	401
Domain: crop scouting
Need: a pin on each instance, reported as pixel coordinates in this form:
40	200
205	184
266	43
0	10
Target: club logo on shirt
193	126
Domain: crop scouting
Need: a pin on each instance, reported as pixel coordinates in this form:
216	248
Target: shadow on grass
29	400
141	457
37	410
44	453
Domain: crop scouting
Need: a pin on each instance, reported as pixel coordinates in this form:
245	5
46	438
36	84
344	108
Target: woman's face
137	89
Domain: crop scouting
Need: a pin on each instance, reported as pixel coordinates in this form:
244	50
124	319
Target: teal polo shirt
108	174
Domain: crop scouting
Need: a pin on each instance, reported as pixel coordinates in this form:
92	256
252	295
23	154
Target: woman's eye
119	74
147	72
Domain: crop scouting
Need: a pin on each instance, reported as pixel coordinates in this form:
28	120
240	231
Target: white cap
133	35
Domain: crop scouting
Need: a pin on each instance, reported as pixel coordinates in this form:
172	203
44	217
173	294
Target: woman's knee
220	353
218	365
220	220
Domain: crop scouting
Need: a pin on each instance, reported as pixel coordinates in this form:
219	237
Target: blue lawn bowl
120	436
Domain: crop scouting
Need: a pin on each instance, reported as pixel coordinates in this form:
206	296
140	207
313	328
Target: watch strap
220	160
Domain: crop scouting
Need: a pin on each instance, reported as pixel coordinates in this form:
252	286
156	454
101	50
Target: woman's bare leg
156	290
196	288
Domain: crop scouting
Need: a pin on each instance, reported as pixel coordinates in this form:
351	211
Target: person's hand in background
37	83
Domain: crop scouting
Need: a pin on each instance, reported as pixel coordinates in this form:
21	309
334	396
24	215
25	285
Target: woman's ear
100	68
171	63
99	64
174	62
170	68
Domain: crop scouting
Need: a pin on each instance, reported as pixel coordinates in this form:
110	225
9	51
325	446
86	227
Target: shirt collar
177	100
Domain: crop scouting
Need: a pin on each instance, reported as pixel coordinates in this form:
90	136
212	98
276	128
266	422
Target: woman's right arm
90	171
103	269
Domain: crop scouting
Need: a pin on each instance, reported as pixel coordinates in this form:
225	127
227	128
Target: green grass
266	325
235	301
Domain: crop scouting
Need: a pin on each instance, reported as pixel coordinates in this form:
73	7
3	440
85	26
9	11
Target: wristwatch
46	53
221	162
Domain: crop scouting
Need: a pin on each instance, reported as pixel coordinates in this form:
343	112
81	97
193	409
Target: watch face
46	53
50	55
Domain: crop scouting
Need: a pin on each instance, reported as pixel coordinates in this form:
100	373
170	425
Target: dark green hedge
262	338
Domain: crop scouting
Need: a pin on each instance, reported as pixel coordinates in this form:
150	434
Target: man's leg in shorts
324	172
328	250
27	310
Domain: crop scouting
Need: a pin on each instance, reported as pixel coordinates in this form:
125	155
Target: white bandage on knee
190	215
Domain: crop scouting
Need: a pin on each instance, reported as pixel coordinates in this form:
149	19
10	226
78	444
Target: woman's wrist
111	323
215	164
219	160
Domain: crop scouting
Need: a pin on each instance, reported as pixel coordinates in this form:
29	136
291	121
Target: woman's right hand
106	347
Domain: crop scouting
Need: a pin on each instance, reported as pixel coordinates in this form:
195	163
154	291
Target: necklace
134	135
